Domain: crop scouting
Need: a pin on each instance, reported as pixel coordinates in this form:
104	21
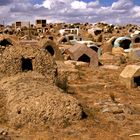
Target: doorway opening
27	64
84	58
125	44
5	42
51	38
137	40
137	81
50	50
64	40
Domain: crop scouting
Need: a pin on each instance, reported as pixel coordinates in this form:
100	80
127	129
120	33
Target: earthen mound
18	59
31	101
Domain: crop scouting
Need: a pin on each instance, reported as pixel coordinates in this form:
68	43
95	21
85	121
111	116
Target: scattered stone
120	117
111	67
3	131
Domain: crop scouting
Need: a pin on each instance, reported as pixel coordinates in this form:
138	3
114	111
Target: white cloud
94	4
78	5
122	11
50	4
122	4
136	11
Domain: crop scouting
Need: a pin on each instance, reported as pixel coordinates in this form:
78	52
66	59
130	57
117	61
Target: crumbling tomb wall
27	58
51	47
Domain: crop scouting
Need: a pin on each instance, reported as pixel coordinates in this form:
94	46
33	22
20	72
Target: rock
111	67
105	110
120	117
116	110
82	64
3	131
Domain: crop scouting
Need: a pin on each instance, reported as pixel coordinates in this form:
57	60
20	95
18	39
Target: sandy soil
112	112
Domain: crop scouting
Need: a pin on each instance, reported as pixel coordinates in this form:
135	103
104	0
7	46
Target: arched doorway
51	38
5	42
64	40
84	58
125	44
50	50
137	40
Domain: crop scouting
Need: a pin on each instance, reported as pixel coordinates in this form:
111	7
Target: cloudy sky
111	11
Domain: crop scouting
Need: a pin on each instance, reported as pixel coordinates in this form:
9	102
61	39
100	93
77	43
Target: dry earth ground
113	111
